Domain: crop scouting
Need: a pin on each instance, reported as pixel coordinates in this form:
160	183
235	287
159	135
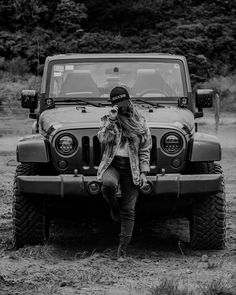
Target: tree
68	16
29	14
7	12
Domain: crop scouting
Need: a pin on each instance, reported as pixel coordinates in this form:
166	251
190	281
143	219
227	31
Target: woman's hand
113	112
142	180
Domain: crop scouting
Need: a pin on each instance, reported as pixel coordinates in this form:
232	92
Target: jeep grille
92	152
87	157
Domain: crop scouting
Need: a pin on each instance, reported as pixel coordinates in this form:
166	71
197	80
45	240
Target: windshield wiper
77	100
150	103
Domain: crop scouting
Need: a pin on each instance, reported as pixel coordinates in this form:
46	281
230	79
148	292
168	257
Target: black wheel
207	221
30	225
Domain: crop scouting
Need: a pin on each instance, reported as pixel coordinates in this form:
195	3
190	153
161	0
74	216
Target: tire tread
208	226
29	220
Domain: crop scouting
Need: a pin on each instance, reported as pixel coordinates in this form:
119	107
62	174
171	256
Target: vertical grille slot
96	152
85	152
153	153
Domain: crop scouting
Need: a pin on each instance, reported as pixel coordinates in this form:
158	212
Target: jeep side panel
204	148
32	149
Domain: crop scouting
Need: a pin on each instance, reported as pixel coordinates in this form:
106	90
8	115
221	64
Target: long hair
131	124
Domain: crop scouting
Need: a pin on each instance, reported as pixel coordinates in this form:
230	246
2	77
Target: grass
34	252
217	287
48	272
172	287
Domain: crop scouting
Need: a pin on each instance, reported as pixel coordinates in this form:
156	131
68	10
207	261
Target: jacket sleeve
145	149
107	130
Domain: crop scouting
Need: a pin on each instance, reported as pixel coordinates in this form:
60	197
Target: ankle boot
122	249
121	252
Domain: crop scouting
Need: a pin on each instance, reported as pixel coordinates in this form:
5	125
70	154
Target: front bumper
169	184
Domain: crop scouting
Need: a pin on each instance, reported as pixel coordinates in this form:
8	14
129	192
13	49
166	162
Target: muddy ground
80	259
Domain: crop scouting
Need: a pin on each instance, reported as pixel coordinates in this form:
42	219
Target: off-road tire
30	225
207	221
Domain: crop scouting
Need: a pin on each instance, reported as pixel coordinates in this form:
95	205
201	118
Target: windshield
96	79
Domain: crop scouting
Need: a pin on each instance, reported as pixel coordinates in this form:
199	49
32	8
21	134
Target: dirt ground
81	259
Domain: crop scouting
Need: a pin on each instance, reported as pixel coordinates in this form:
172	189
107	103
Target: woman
126	157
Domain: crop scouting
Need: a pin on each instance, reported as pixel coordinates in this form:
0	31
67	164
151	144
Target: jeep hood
89	117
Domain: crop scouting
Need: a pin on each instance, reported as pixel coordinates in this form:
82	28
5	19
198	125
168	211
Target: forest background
203	31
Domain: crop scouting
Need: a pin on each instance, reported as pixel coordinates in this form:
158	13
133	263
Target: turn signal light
182	102
176	163
62	164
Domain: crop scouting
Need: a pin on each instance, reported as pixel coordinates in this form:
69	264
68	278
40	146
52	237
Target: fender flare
33	149
204	148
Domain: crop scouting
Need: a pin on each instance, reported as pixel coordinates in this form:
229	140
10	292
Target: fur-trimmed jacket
110	134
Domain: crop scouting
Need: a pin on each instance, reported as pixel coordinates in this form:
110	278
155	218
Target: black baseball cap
119	95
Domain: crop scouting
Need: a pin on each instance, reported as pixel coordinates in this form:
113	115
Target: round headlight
172	143
66	144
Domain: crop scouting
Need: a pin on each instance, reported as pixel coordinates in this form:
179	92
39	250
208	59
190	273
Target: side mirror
29	100
204	98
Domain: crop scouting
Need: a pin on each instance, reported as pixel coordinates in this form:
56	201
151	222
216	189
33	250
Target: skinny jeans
119	171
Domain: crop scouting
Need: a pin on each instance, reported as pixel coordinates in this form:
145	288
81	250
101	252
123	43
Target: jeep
58	162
